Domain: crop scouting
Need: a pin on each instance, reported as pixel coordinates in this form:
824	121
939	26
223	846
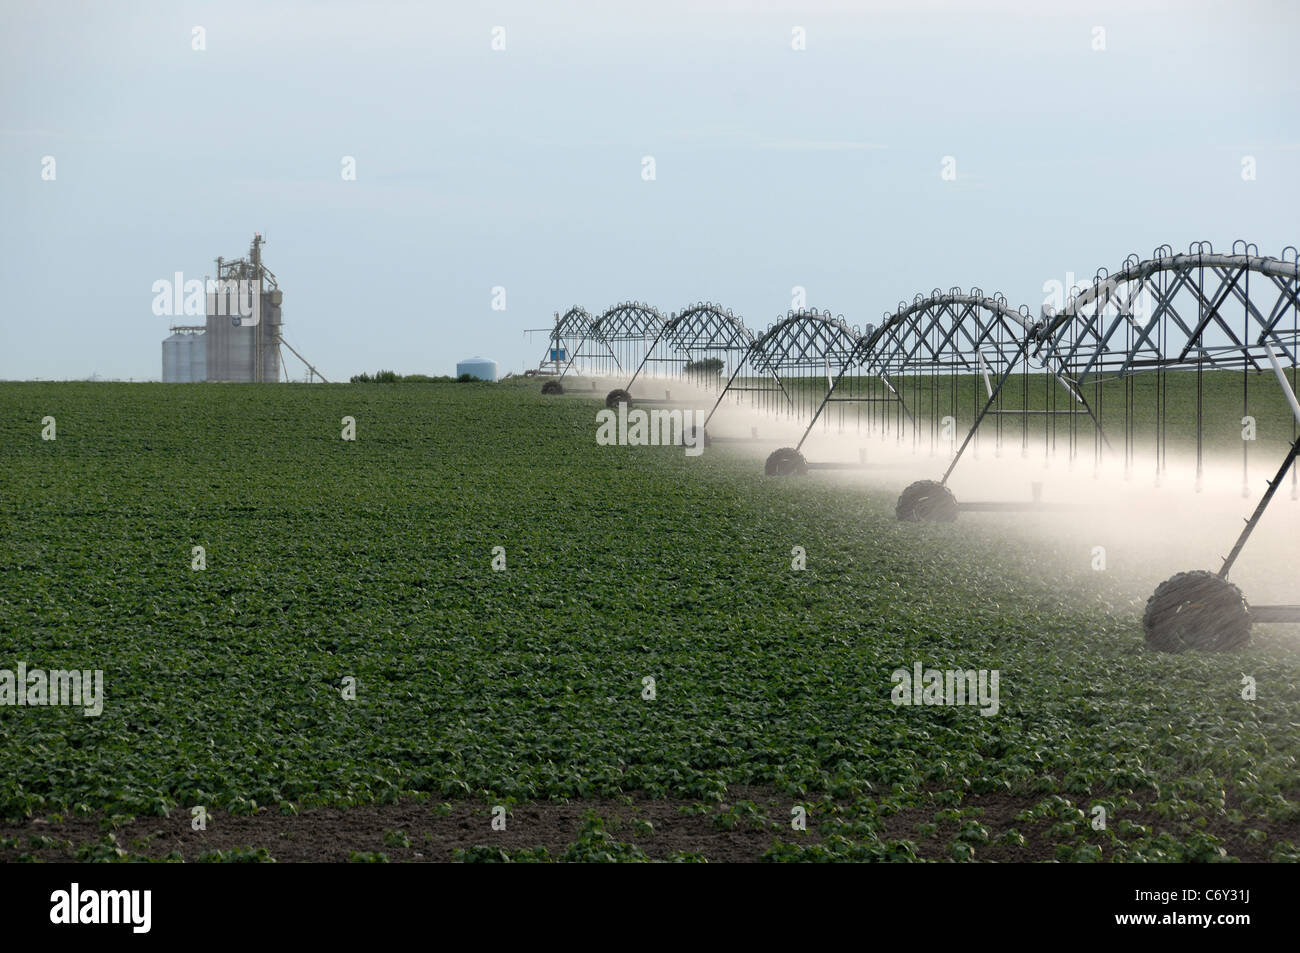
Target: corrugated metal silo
198	357
172	349
244	353
271	318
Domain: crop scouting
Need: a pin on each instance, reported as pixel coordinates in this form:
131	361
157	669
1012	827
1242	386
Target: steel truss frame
781	370
699	332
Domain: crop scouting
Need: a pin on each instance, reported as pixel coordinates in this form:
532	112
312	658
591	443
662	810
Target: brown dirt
433	830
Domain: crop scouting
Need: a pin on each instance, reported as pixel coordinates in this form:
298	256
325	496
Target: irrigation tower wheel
552	387
617	396
1196	610
785	462
926	501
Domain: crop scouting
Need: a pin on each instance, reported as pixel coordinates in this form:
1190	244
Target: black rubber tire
926	501
785	462
552	387
1196	610
617	396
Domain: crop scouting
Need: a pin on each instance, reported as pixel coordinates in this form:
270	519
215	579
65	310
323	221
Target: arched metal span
1169	310
703	332
573	346
950	329
946	361
629	331
1197	312
606	345
706	328
1200	311
806	340
935	361
790	366
1174	317
628	321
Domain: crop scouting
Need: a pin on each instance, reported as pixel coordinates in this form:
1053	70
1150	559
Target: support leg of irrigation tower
828	398
899	397
1281	473
716	403
784	393
740	366
988	405
578	350
650	350
1095	422
1078	397
822	406
572	357
992	399
1259	510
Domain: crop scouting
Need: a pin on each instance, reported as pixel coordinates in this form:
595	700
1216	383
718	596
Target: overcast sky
523	168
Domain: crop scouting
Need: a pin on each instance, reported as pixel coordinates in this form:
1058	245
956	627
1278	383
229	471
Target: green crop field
369	563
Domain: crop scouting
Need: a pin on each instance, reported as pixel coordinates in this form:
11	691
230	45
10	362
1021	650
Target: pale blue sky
522	168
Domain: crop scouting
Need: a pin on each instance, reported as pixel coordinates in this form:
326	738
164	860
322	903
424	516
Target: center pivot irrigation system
1029	380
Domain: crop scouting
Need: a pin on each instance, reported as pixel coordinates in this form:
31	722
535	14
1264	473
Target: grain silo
171	348
242	341
197	344
183	355
477	367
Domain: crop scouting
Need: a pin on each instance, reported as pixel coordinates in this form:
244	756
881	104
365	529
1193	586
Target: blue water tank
479	367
